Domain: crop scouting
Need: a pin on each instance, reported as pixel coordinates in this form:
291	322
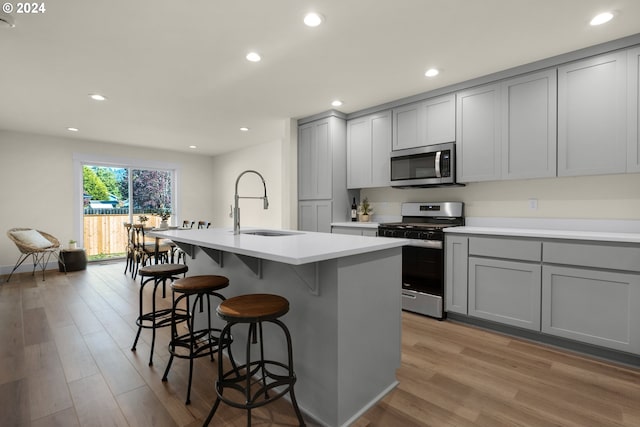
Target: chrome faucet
236	209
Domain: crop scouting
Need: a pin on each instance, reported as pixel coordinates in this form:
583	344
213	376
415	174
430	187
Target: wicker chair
40	254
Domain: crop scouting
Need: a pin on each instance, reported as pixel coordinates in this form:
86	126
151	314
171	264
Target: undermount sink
270	233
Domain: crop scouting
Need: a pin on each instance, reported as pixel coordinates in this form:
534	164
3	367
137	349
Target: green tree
93	186
108	177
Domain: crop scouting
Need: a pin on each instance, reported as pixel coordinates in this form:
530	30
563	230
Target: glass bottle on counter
354	210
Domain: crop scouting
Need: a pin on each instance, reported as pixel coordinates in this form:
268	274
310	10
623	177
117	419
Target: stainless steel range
423	258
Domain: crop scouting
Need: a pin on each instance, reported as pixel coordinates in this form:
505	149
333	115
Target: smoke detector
6	20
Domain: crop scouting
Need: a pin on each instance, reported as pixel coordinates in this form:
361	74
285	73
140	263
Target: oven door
423	279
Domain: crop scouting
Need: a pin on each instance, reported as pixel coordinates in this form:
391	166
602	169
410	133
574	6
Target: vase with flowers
164	214
365	210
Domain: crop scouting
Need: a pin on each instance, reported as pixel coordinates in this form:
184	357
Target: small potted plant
73	244
164	215
365	210
143	219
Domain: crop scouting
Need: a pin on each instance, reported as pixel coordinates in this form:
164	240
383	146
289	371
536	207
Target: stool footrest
206	341
160	319
236	380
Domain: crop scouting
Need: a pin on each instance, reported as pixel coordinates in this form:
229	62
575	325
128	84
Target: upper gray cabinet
425	123
592	114
529	126
507	130
314	160
633	121
368	147
478	131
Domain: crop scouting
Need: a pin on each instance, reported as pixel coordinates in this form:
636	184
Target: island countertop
297	248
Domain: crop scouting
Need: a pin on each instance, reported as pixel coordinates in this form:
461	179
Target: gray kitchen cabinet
529	126
314	160
425	123
455	274
505	291
355	231
314	215
368	148
598	307
322	171
478	134
592	114
507	130
633	120
504	281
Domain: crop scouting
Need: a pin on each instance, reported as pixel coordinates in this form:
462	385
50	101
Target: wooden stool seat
197	284
198	341
253	308
163	269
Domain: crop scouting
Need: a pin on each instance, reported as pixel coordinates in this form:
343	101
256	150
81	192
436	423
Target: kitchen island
345	307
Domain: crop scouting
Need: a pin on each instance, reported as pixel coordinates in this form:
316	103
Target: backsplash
590	197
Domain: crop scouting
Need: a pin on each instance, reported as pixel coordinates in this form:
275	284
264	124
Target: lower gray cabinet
505	291
355	231
315	215
593	306
455	273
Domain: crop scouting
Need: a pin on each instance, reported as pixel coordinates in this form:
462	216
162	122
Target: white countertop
542	233
300	248
356	224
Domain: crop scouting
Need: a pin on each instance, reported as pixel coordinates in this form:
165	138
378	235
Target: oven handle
430	244
408	296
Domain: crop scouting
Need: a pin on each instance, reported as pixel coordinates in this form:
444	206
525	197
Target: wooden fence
106	235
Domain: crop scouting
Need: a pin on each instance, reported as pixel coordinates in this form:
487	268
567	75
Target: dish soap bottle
354	210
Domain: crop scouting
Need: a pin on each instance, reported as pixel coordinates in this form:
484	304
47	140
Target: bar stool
195	343
254	309
154	319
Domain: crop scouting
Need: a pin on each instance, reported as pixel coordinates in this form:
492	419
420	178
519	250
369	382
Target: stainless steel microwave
433	165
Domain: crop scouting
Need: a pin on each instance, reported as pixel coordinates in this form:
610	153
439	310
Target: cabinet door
592	116
633	121
380	149
440	120
478	132
314	215
359	152
370	232
314	160
596	307
505	291
368	148
529	126
428	122
407	124
455	275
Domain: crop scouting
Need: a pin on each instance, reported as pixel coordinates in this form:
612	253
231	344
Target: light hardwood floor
65	360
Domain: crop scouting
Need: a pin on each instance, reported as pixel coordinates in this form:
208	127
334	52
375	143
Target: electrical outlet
533	204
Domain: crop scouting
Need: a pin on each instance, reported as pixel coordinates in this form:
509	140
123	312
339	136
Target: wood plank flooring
65	360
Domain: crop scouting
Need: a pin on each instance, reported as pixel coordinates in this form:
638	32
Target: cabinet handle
408	296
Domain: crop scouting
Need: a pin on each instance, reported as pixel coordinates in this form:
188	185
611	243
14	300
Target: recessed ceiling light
193	146
601	18
336	103
97	97
432	72
253	57
73	129
244	129
313	19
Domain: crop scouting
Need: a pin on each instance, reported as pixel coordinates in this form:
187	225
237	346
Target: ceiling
175	72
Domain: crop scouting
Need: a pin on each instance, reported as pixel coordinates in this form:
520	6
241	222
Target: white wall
273	160
37	181
589	197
